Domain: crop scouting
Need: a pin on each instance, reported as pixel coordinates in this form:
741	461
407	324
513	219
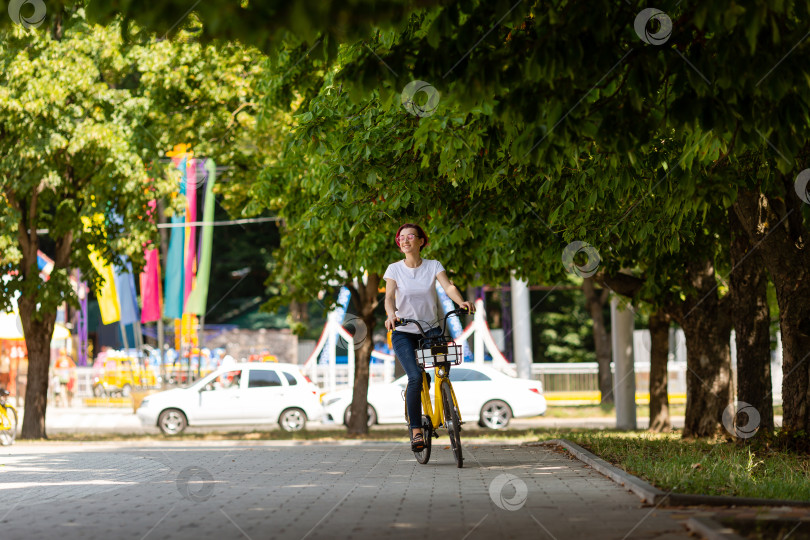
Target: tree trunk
365	298
781	243
595	303
298	312
38	342
659	353
707	326
751	318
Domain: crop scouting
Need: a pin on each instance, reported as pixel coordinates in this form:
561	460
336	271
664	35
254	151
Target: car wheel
98	390
495	414
172	422
126	391
292	420
372	415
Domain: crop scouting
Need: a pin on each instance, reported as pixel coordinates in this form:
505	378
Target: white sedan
237	394
485	395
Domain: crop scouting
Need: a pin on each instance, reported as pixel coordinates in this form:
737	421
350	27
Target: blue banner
174	280
127	297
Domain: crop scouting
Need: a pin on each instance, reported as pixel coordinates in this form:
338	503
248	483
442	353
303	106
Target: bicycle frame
441	374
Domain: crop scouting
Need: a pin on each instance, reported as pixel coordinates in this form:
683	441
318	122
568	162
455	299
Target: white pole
624	378
521	328
332	344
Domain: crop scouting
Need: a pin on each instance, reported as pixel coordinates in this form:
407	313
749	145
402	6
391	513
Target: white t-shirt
416	292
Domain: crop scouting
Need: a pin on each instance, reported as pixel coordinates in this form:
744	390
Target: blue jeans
404	344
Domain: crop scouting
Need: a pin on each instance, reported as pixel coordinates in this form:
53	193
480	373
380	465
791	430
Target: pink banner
191	237
150	288
150	278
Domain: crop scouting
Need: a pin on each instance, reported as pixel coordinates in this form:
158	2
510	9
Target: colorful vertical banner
188	329
150	277
174	281
150	287
197	301
127	297
191	217
107	295
173	286
82	326
80	316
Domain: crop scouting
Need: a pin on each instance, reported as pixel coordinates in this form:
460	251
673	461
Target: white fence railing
584	377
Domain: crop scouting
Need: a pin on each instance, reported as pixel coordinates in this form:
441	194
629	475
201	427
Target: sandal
417	442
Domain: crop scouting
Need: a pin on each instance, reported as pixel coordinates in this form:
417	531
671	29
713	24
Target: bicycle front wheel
8	429
427	432
452	422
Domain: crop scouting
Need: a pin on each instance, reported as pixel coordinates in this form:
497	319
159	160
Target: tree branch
623	284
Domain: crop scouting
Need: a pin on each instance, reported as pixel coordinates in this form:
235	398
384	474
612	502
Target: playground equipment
328	373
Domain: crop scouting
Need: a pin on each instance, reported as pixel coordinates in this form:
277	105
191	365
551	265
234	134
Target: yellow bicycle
8	419
439	353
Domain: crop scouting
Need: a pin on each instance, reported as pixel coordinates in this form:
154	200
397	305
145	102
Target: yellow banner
107	295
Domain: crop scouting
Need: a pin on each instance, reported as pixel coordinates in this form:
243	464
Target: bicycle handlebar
403	322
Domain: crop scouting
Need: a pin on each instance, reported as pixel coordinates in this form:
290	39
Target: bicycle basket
439	353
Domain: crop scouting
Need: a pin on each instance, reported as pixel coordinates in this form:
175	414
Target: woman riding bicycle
410	293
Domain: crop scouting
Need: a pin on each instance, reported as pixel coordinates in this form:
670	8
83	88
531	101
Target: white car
485	395
237	394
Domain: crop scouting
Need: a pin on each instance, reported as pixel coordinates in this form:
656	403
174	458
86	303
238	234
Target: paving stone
264	490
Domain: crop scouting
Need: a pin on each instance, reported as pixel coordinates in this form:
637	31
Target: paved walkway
259	490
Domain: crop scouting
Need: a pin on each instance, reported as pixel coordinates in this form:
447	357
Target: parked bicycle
8	419
439	353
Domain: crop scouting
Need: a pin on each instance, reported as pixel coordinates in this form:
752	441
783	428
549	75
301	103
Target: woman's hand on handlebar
390	323
469	306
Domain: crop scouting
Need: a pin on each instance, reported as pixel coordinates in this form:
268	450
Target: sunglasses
404	237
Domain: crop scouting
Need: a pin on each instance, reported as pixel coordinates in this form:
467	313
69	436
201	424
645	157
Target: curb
646	492
711	530
651	494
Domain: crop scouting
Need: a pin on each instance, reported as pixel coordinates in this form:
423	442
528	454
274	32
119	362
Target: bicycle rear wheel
452	422
8	430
